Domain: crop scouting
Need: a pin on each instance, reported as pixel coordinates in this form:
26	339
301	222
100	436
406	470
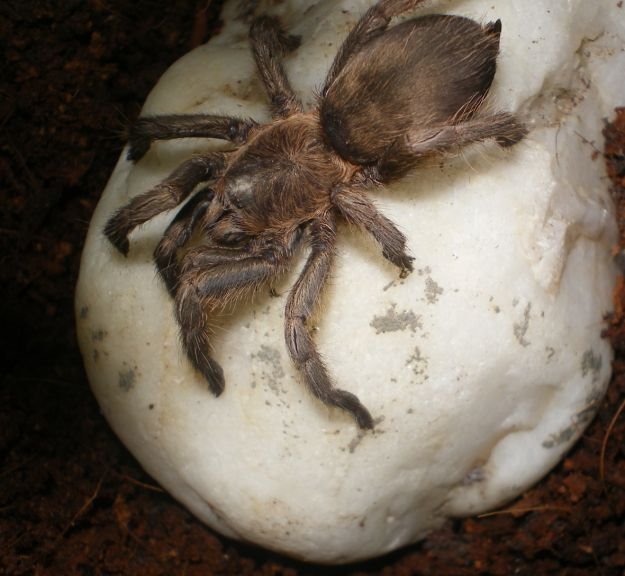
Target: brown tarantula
392	97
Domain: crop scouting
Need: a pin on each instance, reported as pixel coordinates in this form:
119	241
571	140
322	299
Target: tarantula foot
273	293
214	375
138	147
116	233
349	402
406	267
401	260
364	419
493	28
291	42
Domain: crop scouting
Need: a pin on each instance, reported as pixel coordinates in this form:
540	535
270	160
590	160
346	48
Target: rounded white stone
481	368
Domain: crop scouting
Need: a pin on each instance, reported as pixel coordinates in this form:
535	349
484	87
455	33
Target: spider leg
164	196
357	209
178	233
171	126
299	308
211	278
269	44
373	23
406	152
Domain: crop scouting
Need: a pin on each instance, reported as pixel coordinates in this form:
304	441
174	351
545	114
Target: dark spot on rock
560	438
591	364
520	328
98	335
419	365
394	321
127	380
476	474
432	291
272	371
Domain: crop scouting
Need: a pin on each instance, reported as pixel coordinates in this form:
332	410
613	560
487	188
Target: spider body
392	97
283	176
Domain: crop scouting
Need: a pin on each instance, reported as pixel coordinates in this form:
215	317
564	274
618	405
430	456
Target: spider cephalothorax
392	97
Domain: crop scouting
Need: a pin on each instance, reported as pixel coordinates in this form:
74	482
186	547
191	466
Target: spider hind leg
406	152
301	302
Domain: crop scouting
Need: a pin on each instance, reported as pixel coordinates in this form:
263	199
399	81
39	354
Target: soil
72	499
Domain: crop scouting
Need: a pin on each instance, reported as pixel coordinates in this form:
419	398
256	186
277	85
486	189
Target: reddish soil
72	499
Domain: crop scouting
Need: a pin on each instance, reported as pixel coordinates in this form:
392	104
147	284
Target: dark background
72	500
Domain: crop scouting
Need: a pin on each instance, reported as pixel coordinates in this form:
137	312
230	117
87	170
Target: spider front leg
171	126
212	277
300	305
269	44
164	196
357	209
373	23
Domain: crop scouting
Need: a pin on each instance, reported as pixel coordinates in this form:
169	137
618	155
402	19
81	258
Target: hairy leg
210	279
178	233
165	196
300	305
406	152
357	209
373	23
269	44
168	127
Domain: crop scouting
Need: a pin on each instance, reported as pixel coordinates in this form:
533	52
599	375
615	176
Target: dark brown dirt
72	500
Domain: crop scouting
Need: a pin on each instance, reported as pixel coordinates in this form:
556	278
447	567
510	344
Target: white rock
482	367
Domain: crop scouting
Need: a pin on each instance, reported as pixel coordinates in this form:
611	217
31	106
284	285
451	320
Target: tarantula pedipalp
393	96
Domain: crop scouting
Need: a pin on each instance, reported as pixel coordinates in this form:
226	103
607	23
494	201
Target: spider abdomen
422	73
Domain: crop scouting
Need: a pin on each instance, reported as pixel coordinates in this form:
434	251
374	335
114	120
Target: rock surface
481	368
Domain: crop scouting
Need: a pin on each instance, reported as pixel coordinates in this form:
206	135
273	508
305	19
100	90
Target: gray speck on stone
594	398
432	291
476	474
127	379
520	328
579	421
394	321
355	442
591	364
560	438
419	364
274	371
98	335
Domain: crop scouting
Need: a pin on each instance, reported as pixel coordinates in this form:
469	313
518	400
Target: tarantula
393	96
